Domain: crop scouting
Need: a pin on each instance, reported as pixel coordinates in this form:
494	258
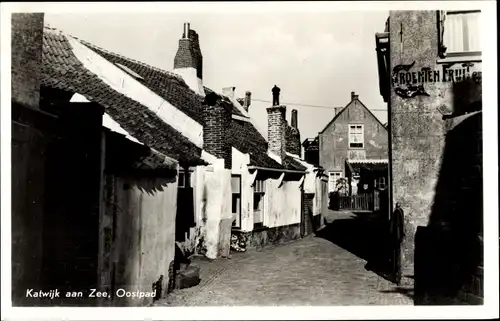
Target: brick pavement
309	272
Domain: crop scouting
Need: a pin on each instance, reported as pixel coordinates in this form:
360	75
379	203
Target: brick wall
189	54
217	122
276	130
292	140
27	40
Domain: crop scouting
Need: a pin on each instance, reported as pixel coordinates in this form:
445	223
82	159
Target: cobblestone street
310	271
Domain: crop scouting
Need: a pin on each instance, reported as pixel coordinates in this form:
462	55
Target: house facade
430	76
311	150
353	134
165	162
210	134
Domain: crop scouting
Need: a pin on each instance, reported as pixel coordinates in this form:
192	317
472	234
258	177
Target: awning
367	164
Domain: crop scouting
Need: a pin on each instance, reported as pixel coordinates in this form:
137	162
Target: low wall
263	237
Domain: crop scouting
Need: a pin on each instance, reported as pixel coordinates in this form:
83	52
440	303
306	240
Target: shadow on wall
448	250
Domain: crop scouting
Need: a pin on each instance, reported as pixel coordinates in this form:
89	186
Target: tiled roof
123	154
62	70
167	85
247	139
225	99
291	163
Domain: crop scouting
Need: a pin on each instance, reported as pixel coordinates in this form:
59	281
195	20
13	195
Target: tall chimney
188	61
248	100
292	135
216	127
276	130
294	119
353	95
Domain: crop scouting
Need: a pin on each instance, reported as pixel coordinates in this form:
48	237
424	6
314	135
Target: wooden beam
252	177
280	180
302	180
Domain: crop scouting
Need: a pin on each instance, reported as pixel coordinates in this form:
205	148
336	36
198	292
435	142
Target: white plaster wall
318	197
283	204
239	160
127	85
217	192
191	79
247	180
145	243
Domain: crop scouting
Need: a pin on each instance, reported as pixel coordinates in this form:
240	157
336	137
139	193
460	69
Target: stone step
187	277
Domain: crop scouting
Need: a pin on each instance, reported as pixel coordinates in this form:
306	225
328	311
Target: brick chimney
216	128
293	145
248	100
27	40
188	61
294	119
354	96
276	130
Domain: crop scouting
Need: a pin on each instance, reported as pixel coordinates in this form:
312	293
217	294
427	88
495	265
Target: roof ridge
143	64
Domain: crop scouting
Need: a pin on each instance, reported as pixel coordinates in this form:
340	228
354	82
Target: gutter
277	170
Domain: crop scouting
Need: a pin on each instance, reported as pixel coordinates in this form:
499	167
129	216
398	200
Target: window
380	183
258	202
333	178
356	136
182	179
460	33
236	199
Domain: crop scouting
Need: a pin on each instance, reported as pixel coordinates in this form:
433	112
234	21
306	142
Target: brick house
434	98
354	133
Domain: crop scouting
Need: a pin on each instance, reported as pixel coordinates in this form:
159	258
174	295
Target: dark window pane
235	204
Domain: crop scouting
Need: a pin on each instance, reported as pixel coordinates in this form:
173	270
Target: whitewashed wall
282	204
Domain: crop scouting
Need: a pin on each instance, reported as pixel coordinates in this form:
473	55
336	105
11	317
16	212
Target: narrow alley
310	272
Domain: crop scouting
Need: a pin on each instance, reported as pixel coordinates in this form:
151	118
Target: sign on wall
408	82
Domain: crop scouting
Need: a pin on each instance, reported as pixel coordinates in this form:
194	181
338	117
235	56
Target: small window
258	202
236	200
356	136
460	32
380	183
182	180
333	178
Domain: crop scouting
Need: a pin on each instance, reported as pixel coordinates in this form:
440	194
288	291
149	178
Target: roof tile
125	111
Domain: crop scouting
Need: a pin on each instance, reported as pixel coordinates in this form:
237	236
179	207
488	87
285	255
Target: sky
315	58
